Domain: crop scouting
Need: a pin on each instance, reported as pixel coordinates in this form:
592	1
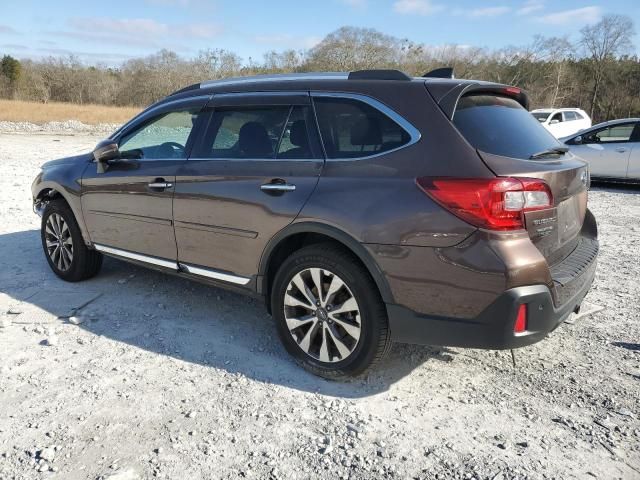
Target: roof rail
444	72
274	77
378	75
186	89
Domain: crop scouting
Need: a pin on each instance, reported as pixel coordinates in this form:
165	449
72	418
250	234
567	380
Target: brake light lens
521	319
512	91
495	203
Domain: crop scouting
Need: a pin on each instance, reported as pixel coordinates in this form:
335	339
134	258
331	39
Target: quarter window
163	138
351	128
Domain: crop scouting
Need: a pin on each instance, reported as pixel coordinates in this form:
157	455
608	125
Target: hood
84	158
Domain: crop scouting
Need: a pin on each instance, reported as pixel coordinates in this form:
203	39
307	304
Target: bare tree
603	42
596	76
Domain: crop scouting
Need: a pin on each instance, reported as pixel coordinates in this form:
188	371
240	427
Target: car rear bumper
493	328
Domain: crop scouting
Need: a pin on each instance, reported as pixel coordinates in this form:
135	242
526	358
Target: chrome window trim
215	274
136	256
284	77
414	133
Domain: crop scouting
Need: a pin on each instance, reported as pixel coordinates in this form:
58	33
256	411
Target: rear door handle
277	187
160	184
621	149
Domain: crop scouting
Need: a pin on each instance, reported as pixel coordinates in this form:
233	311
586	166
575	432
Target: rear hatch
512	143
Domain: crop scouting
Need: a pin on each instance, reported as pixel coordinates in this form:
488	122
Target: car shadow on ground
611	187
176	317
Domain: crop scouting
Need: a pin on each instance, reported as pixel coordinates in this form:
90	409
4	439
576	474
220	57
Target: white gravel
171	379
68	127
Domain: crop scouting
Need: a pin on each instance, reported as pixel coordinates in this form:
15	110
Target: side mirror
554	121
577	140
105	150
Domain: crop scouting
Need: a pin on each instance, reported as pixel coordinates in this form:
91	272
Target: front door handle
621	149
275	187
160	184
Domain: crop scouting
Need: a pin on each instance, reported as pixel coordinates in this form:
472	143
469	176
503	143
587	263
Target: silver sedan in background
612	149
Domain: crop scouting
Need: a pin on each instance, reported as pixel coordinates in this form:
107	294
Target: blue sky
112	31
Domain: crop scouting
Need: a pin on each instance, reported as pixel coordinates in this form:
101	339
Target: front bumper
493	327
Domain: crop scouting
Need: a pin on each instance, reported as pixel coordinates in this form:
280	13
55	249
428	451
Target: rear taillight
521	319
495	203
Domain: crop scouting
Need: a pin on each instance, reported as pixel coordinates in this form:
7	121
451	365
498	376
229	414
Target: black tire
85	263
374	341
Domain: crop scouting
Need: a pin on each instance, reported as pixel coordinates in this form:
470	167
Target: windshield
541	116
500	125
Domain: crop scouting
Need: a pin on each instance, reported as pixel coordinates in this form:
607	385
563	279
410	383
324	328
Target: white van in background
562	122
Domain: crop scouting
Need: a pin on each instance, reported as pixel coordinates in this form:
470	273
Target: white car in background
562	122
612	149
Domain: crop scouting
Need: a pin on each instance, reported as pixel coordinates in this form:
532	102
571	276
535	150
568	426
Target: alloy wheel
322	315
59	242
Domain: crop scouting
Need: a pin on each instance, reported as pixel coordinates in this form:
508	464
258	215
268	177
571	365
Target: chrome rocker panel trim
178	267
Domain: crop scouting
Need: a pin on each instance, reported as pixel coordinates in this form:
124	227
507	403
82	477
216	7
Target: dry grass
18	111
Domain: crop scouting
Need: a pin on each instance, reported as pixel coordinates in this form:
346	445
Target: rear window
501	126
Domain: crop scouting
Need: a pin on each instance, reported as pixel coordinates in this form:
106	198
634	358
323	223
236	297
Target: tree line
597	72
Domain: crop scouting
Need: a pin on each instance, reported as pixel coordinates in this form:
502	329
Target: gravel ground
161	377
68	127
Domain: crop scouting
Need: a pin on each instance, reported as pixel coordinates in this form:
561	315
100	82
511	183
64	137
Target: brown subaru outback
365	208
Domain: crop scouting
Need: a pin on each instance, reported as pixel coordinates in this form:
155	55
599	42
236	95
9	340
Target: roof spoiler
447	96
444	72
379	75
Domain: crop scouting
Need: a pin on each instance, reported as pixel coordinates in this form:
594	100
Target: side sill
178	267
215	274
136	256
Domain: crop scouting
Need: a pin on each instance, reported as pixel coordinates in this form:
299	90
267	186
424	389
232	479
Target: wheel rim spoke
294	323
292	301
56	219
352	330
304	289
316	277
349	305
305	343
324	347
335	285
323	331
58	257
342	348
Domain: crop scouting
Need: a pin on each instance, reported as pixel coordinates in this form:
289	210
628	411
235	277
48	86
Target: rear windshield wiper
550	151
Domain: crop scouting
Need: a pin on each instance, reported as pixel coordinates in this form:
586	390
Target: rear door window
246	132
295	142
351	128
265	132
500	125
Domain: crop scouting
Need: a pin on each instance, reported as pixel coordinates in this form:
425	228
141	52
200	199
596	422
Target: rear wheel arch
303	234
